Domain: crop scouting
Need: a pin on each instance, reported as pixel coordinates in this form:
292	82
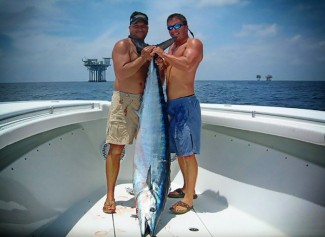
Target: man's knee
115	150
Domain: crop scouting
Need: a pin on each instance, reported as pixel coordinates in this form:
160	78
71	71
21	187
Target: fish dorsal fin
140	44
164	45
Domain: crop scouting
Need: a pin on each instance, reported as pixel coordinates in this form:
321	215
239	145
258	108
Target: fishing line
202	222
113	224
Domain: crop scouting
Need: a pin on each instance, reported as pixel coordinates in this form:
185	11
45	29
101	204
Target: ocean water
290	94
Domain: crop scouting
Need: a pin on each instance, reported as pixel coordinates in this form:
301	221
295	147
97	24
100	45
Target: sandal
109	207
178	193
174	209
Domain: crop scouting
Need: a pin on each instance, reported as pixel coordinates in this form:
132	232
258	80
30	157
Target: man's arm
123	66
193	54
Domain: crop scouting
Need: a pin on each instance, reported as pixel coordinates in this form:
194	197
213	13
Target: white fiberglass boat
261	173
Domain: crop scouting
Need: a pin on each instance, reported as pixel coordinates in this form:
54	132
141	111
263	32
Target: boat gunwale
294	113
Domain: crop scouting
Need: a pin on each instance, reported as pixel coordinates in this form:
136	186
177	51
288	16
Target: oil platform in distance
97	69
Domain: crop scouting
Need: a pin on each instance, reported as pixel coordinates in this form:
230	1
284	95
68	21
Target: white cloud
46	41
261	30
295	38
12	6
220	3
44	57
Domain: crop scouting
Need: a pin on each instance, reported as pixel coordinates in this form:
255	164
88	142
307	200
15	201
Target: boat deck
261	173
211	216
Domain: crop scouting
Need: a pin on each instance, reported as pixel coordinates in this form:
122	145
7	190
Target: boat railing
276	112
45	110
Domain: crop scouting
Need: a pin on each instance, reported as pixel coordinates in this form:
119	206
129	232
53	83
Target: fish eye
152	209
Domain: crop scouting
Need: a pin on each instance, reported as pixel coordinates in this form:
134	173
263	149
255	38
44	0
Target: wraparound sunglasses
176	26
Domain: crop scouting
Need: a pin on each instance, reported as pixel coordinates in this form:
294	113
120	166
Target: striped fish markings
151	178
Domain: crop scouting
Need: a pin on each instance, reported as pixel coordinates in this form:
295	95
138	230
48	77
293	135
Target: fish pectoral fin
149	178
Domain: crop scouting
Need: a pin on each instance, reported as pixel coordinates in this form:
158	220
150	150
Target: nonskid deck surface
125	223
211	216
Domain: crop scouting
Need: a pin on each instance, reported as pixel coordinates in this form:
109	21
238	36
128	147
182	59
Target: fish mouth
147	230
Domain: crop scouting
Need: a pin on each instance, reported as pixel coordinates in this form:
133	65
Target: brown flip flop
178	193
175	210
109	207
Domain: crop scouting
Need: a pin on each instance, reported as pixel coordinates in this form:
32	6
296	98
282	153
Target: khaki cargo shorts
123	119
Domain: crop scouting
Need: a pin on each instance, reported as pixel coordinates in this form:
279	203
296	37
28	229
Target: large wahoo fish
151	178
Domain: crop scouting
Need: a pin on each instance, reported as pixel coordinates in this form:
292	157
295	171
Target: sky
46	40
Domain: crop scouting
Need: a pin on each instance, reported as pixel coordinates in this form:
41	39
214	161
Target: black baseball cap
138	16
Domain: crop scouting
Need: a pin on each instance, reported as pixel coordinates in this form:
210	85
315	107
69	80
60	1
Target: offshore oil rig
268	77
97	69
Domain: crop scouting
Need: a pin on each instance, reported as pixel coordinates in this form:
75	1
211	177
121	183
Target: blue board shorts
185	125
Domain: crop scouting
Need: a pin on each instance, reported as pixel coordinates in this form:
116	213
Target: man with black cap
130	67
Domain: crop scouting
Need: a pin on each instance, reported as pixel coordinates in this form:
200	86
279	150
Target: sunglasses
176	26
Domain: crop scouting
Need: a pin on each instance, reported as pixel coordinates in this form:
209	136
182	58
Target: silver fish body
151	178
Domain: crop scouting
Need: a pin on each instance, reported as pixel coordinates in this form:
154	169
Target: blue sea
293	94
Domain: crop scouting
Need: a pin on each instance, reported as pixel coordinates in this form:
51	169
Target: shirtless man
182	61
130	69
